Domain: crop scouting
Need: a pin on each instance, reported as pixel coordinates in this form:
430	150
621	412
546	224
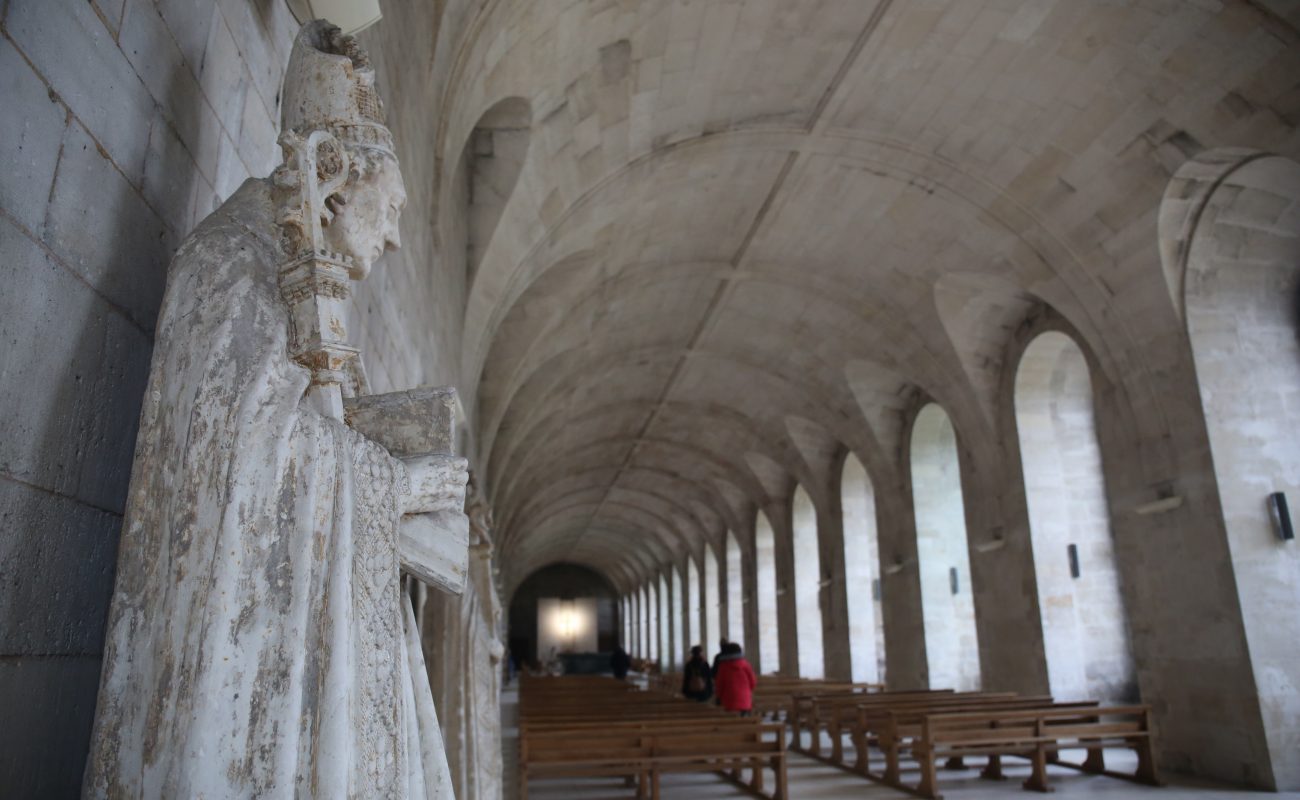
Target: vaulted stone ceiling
746	234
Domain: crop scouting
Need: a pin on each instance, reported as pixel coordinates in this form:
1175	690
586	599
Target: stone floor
812	780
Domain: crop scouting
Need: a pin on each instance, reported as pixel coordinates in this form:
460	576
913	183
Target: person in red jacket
735	681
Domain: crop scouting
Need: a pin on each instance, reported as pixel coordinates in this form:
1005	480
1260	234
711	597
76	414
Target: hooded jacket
735	681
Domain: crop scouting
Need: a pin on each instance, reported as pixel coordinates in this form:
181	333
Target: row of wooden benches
774	693
646	666
581	727
585	727
945	726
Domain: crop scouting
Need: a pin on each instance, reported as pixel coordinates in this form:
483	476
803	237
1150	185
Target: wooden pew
822	710
649	753
587	727
645	666
1038	734
774	695
895	727
668	682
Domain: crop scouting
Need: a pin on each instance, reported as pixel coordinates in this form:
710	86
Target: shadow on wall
567	581
84	280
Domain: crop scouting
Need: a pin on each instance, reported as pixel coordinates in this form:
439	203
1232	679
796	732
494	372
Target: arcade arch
947	602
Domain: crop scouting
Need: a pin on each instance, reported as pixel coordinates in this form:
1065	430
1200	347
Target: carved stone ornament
258	644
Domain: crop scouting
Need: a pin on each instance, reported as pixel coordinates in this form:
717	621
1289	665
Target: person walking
697	678
735	681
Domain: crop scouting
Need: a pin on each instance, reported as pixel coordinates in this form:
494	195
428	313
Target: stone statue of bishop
258	643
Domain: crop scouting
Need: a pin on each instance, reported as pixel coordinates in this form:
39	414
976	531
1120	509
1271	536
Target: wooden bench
592	729
1038	735
866	718
824	710
644	665
895	727
774	696
667	682
645	755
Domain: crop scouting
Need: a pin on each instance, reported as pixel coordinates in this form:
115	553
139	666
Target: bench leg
955	762
929	778
523	782
893	774
815	731
782	789
837	741
1146	771
642	786
756	776
654	784
993	770
861	761
1095	762
1037	780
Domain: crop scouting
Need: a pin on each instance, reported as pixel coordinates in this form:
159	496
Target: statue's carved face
365	223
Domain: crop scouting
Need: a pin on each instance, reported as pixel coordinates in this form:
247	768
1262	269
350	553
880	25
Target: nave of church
812	779
376	383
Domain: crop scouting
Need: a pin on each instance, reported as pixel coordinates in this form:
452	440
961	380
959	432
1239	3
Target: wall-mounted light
1166	500
953	583
352	16
996	543
1281	515
1159	506
1072	553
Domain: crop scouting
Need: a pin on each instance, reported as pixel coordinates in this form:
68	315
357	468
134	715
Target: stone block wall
127	122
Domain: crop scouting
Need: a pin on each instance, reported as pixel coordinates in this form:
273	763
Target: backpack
696	684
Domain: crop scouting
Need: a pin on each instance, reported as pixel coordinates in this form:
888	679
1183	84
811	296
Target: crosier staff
315	282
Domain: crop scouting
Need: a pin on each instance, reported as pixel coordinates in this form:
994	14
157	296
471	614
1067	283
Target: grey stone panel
76	54
49	705
74	369
98	224
29	141
58	558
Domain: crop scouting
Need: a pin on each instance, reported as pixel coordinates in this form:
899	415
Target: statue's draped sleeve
255	644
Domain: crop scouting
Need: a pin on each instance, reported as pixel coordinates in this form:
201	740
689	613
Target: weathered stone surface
415	422
258	638
432	547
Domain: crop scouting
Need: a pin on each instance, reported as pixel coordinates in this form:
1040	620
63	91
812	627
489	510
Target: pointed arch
735	590
769	639
807	586
862	573
947	603
1085	630
712	624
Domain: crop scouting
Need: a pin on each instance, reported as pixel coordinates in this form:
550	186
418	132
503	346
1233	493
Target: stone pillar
787	611
900	578
834	597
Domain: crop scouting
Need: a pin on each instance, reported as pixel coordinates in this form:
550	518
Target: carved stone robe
258	643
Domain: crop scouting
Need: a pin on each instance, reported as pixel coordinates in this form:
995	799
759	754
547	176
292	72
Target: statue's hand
437	484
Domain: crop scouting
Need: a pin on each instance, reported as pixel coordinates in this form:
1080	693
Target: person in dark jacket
722	645
697	678
620	662
735	681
